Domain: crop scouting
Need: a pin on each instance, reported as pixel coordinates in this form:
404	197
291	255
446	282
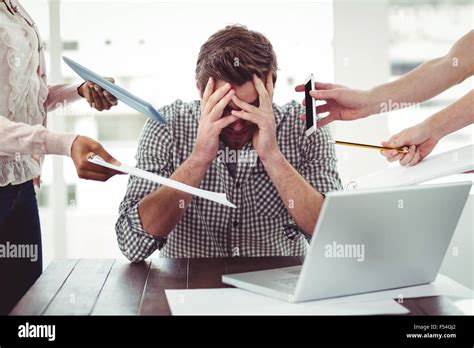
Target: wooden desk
117	287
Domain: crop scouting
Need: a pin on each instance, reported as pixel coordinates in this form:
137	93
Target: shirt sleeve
25	139
319	164
154	155
318	167
60	94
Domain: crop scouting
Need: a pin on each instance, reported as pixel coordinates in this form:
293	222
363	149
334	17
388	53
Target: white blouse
24	100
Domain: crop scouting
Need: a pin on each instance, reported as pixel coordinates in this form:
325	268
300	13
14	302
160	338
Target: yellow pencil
367	146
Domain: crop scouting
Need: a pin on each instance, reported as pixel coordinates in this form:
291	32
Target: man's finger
269	84
246	116
225	121
243	105
303	117
262	91
208	90
216	96
218	109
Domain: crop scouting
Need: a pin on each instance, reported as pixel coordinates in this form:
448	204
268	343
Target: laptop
366	241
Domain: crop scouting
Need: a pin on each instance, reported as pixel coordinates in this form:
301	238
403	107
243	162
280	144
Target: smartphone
311	117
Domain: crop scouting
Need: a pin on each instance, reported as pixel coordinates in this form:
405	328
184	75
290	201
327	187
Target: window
420	31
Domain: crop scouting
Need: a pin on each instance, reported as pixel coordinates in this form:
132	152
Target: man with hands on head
420	84
278	196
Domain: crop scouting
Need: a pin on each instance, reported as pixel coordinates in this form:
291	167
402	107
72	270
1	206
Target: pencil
367	146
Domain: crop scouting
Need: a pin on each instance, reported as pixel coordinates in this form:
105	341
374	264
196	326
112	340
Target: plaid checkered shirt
261	225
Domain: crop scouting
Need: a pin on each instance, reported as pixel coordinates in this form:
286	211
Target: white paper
231	301
433	167
240	302
442	286
465	306
220	198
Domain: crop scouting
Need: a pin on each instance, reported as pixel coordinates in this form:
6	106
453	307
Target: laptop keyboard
290	282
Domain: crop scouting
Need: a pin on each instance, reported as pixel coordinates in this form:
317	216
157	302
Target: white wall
361	51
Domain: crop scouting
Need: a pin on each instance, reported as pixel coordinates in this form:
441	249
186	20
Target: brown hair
234	54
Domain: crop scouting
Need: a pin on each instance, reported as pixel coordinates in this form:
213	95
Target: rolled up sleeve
319	164
153	155
319	168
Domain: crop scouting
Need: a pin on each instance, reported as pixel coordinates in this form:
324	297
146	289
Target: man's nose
238	125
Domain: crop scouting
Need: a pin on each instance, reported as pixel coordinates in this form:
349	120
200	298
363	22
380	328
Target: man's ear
198	86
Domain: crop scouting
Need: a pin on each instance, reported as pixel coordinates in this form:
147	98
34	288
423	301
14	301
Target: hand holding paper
81	148
212	196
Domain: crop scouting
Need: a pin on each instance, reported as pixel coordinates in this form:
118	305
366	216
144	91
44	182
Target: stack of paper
241	302
231	301
433	167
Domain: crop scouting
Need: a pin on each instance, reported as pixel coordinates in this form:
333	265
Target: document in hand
220	198
118	92
447	163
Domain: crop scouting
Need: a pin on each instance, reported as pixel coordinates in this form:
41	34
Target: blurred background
151	47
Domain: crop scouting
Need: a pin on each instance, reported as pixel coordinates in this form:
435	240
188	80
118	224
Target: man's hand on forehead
211	124
264	139
265	98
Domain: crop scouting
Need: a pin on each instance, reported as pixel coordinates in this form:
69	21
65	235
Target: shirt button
235	224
